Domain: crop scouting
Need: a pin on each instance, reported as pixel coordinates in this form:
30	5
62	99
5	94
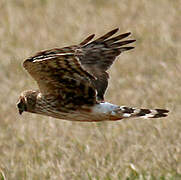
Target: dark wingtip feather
118	44
115	30
124	35
85	41
107	35
131	41
127	34
126	48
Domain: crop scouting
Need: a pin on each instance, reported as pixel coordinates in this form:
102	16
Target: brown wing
97	56
59	73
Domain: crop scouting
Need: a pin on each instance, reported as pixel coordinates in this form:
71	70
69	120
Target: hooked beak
21	107
20	111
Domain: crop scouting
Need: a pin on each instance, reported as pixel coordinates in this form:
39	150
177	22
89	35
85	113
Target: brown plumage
72	81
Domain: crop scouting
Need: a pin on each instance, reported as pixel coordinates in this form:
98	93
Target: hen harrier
72	82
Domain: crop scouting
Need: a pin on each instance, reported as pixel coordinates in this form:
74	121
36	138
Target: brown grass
36	147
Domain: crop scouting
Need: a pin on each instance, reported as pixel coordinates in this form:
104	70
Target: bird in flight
72	82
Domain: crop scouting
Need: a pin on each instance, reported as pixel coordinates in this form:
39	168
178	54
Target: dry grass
36	147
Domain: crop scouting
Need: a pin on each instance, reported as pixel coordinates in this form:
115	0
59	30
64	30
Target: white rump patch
105	107
126	115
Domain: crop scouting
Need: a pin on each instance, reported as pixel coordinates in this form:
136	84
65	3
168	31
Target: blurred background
38	147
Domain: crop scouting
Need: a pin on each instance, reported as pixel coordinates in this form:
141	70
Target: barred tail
128	112
107	111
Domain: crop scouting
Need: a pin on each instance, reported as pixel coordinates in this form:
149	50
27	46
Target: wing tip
125	35
126	48
115	30
132	40
128	33
85	41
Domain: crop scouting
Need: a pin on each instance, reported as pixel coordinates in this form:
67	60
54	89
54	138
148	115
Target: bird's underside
72	82
103	112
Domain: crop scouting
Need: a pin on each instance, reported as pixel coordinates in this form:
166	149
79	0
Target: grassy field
37	147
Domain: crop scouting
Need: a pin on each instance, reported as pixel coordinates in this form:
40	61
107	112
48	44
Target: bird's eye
22	107
19	105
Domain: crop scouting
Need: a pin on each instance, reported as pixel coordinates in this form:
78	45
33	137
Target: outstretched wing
77	72
59	73
97	56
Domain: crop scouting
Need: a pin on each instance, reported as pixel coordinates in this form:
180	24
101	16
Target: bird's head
27	101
